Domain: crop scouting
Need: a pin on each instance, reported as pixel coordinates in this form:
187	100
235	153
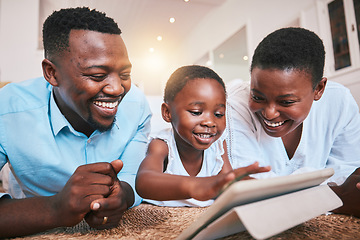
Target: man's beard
99	127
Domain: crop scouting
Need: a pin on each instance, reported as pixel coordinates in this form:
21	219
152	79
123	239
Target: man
63	133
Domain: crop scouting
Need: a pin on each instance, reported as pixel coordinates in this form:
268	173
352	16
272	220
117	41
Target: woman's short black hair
57	27
182	75
291	49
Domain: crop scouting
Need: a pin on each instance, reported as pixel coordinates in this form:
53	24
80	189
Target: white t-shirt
330	136
212	165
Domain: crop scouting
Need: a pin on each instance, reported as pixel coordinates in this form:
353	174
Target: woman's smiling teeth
106	104
270	124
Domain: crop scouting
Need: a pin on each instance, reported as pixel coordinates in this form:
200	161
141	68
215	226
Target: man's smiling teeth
106	104
273	124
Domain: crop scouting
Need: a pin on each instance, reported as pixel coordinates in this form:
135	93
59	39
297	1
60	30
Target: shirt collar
57	120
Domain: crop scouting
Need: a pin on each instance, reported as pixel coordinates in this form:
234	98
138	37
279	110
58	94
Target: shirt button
89	140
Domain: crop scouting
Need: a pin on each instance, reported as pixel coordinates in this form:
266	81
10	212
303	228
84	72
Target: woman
287	119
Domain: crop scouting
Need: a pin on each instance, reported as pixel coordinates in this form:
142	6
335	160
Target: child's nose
208	122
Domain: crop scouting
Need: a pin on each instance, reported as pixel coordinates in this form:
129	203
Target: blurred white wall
20	57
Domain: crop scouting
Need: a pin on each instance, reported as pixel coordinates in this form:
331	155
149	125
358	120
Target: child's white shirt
212	165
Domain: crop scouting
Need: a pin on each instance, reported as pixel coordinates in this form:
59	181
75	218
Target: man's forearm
21	217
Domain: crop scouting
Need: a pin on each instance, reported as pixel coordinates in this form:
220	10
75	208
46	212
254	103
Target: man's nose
114	86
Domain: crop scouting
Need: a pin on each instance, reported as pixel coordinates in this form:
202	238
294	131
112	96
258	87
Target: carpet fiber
152	222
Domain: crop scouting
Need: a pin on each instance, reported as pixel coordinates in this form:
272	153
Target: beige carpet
152	222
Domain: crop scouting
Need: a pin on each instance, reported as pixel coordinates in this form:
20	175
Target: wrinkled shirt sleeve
135	151
2	163
344	156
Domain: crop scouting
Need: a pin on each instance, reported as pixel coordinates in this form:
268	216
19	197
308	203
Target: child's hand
244	172
205	188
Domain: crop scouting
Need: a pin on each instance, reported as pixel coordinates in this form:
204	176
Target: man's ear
320	88
49	72
165	112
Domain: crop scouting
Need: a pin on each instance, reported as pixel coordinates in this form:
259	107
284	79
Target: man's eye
98	77
125	76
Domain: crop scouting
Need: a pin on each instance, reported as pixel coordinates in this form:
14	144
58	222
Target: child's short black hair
291	48
182	75
57	27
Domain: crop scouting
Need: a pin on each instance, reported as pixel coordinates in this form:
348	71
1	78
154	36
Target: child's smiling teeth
106	104
277	124
204	135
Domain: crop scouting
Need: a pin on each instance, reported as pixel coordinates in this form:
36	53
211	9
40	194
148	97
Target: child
292	118
187	165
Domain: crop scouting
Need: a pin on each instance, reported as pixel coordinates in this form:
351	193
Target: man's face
92	78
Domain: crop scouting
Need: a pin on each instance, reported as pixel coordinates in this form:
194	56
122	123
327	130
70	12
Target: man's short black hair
291	49
57	27
182	75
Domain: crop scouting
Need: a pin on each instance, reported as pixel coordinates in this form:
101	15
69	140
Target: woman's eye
256	98
287	102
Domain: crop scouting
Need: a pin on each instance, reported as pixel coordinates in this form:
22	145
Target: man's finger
117	165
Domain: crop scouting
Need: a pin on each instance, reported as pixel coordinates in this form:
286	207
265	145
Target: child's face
282	99
198	113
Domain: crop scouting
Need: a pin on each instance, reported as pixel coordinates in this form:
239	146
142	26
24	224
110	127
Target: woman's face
282	99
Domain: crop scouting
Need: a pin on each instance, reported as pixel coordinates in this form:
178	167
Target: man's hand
349	193
107	211
88	183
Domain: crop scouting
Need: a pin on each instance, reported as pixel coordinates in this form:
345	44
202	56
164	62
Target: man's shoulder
23	96
136	102
135	94
135	97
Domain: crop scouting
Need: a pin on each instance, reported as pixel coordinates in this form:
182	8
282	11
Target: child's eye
195	113
219	115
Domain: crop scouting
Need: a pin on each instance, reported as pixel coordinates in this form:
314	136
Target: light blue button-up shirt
44	150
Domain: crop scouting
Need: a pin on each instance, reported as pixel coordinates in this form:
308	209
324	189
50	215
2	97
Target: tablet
248	191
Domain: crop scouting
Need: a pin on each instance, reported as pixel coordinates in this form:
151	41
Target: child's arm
152	183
